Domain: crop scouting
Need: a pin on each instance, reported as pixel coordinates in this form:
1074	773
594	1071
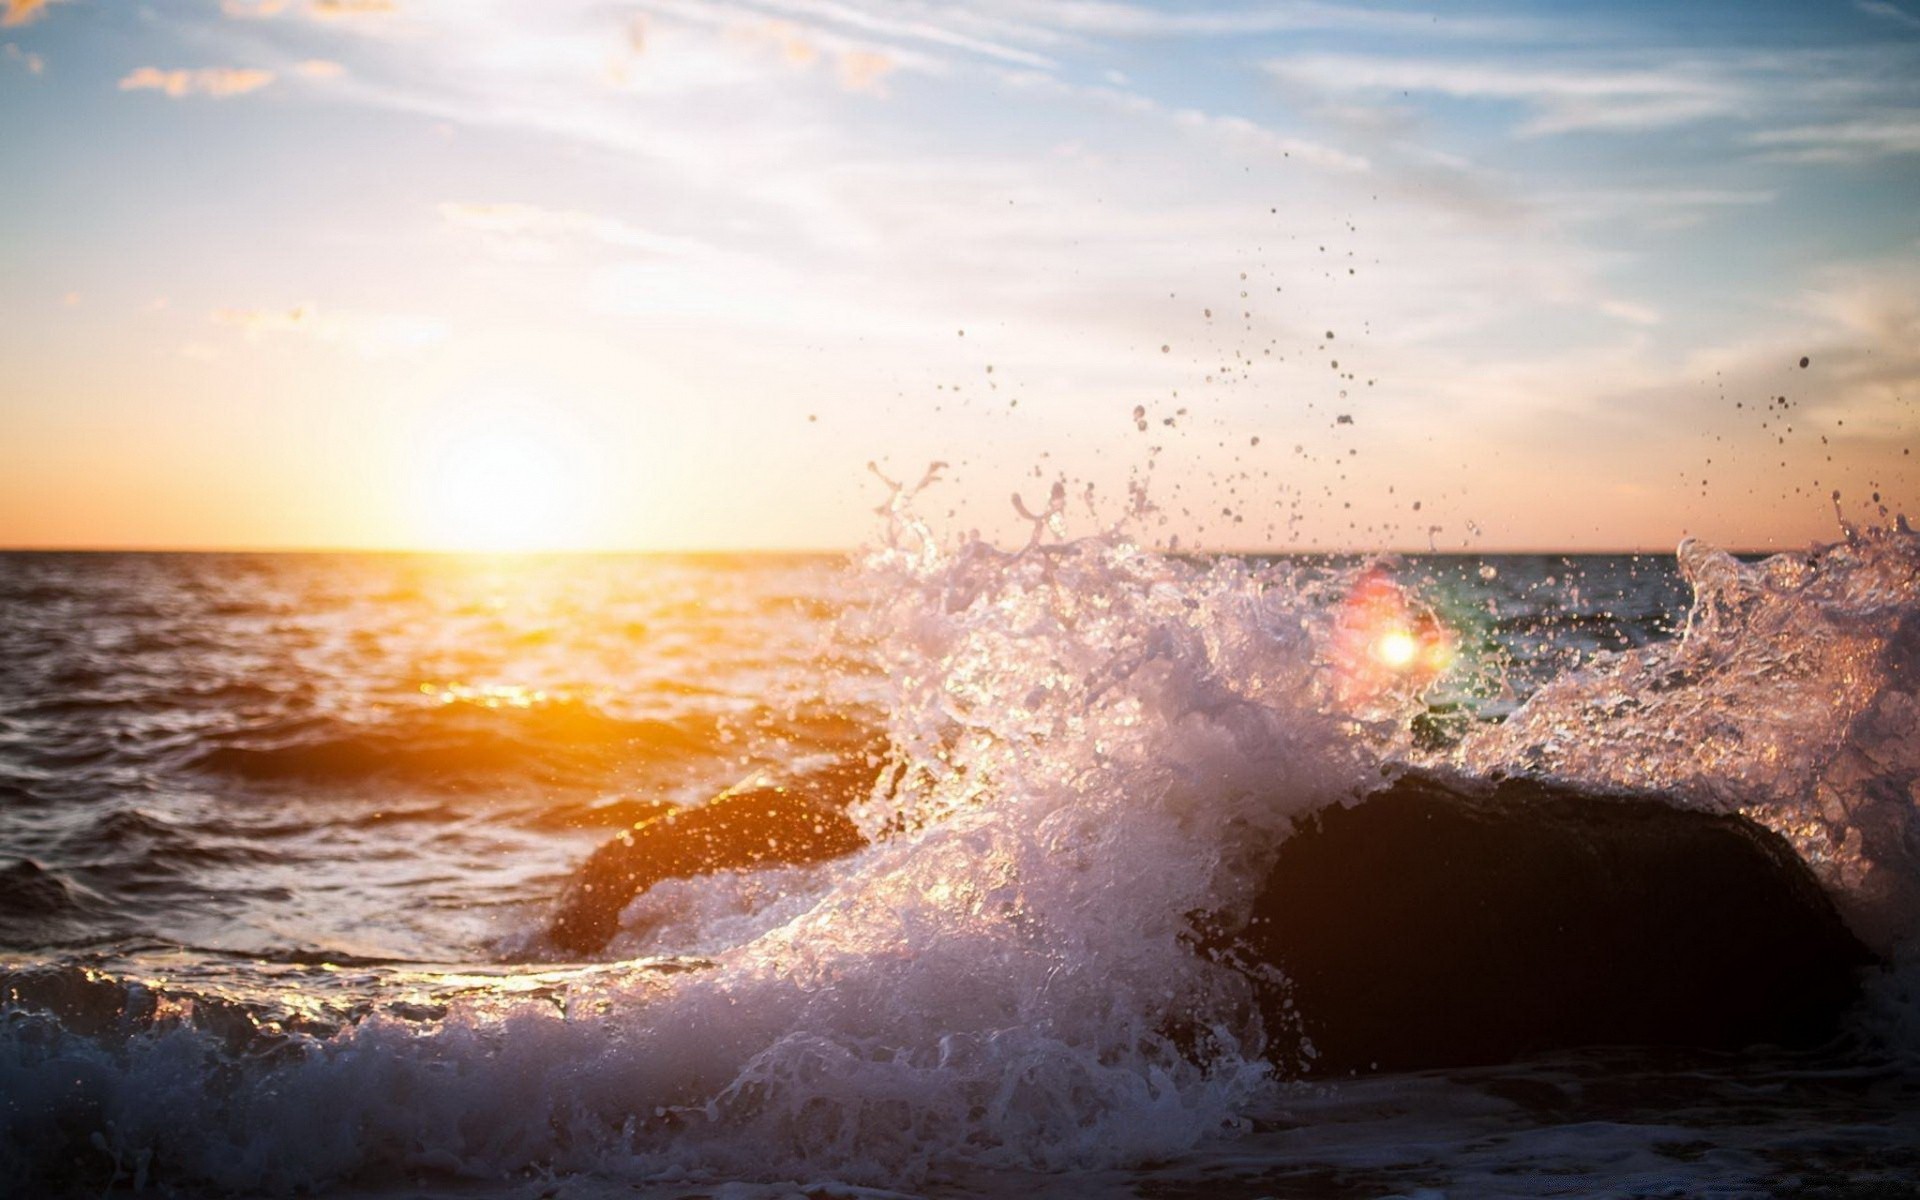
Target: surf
1088	744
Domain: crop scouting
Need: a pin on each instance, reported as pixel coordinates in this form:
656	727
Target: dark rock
27	888
1434	925
745	827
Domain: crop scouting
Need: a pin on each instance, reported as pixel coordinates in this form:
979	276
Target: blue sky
300	272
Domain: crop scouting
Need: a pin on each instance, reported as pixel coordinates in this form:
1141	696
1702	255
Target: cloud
1860	325
368	333
1664	209
1878	306
1887	12
32	62
1564	99
824	16
218	82
320	68
1235	130
318	10
1631	313
1131	20
20	12
864	70
334	10
528	231
794	45
858	67
1855	141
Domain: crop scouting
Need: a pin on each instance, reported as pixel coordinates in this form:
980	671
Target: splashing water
1793	697
1091	744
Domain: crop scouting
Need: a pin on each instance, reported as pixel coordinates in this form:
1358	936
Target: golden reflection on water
493	695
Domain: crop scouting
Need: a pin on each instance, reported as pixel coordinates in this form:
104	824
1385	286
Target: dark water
278	834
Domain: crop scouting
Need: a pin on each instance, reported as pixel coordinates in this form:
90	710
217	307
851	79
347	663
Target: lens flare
1397	649
1387	646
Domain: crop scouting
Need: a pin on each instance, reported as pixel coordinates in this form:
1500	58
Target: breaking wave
1092	743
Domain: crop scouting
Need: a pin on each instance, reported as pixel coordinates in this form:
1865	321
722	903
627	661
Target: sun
504	481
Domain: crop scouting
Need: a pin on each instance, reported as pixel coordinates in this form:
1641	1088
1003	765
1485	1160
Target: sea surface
279	835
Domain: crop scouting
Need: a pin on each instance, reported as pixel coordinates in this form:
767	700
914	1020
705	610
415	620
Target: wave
1792	696
1091	744
455	745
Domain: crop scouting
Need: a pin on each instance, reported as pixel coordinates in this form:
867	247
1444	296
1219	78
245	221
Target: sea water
279	835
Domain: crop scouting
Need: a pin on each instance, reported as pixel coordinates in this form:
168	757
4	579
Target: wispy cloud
256	10
1132	20
1856	141
368	333
318	10
1562	100
333	10
1630	312
893	26
33	63
218	82
529	231
1650	208
1887	12
864	71
857	68
1236	129
320	68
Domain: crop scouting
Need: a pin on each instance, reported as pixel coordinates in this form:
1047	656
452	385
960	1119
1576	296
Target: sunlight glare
1396	648
504	481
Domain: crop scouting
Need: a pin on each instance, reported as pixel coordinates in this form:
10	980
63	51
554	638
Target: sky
671	274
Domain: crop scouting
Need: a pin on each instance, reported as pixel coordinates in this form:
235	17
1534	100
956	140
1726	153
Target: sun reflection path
492	695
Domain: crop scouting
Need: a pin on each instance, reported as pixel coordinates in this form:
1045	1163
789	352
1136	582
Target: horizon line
1667	551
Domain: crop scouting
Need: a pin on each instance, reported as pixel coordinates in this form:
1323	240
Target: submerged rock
1436	924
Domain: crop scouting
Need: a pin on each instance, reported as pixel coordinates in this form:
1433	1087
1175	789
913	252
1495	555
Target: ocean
280	836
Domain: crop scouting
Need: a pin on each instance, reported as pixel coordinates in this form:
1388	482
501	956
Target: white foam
1793	697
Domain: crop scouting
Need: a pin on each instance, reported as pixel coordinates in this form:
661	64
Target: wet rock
751	826
1437	924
